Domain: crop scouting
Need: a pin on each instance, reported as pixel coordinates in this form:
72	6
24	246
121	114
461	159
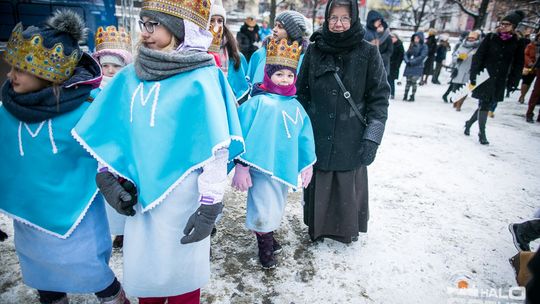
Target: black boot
482	119
406	93
266	250
470	122
411	98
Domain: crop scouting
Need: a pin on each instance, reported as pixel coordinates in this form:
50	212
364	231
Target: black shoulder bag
347	96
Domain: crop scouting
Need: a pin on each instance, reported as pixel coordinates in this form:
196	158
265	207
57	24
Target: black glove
3	236
369	150
116	194
201	223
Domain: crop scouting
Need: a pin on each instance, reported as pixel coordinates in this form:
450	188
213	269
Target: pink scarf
505	36
269	86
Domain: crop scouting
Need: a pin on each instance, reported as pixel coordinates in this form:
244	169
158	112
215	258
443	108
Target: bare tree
420	13
478	15
273	7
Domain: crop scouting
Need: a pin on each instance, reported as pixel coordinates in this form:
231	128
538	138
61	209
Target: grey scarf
156	65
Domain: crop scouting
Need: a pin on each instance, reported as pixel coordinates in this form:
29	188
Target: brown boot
459	103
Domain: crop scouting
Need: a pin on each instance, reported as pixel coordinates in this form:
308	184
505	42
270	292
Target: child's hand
242	179
306	176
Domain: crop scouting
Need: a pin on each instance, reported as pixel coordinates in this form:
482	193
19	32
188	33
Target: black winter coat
338	132
504	63
396	59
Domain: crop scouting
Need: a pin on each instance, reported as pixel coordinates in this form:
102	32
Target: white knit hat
218	9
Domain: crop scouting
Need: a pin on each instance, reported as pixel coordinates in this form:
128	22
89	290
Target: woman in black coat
336	201
501	54
247	37
431	43
395	63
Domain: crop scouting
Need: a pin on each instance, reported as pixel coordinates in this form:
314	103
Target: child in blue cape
290	25
168	125
279	147
61	234
113	52
232	63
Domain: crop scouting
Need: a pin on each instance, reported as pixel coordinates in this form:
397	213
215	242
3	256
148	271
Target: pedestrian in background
461	62
377	33
440	57
414	64
431	44
501	55
529	71
535	95
398	52
247	37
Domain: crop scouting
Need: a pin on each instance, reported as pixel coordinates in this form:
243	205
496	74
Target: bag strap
347	96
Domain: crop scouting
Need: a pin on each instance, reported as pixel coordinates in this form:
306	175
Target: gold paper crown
31	56
110	38
196	11
217	36
282	53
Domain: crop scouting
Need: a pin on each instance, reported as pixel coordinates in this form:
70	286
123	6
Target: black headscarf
330	42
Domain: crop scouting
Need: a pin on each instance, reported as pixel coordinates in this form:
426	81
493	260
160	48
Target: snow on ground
440	205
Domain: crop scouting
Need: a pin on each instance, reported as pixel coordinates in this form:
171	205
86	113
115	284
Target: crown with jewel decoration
217	36
110	38
31	56
283	53
196	11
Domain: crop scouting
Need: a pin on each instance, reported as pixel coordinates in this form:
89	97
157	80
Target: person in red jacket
529	72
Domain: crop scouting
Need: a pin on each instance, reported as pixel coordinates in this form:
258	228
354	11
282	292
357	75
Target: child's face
24	82
283	77
279	32
110	69
216	21
158	39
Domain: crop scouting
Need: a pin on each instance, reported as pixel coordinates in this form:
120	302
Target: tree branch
464	9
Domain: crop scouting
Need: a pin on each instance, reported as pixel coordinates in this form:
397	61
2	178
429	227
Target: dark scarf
154	65
335	43
38	106
253	36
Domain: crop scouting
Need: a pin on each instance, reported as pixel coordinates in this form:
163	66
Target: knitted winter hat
114	42
294	23
514	17
50	52
217	9
175	25
270	69
111	59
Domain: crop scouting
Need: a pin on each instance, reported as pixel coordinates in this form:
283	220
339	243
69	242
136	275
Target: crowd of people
154	131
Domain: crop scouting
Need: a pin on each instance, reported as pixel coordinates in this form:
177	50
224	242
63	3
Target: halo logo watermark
463	290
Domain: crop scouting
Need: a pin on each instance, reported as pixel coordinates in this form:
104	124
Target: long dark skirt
336	204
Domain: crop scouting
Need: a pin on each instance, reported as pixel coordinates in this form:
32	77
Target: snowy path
440	205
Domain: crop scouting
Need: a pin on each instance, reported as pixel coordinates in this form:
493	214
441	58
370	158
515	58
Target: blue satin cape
47	178
155	133
278	135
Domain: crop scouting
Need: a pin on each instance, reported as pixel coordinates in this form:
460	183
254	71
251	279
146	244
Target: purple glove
242	178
